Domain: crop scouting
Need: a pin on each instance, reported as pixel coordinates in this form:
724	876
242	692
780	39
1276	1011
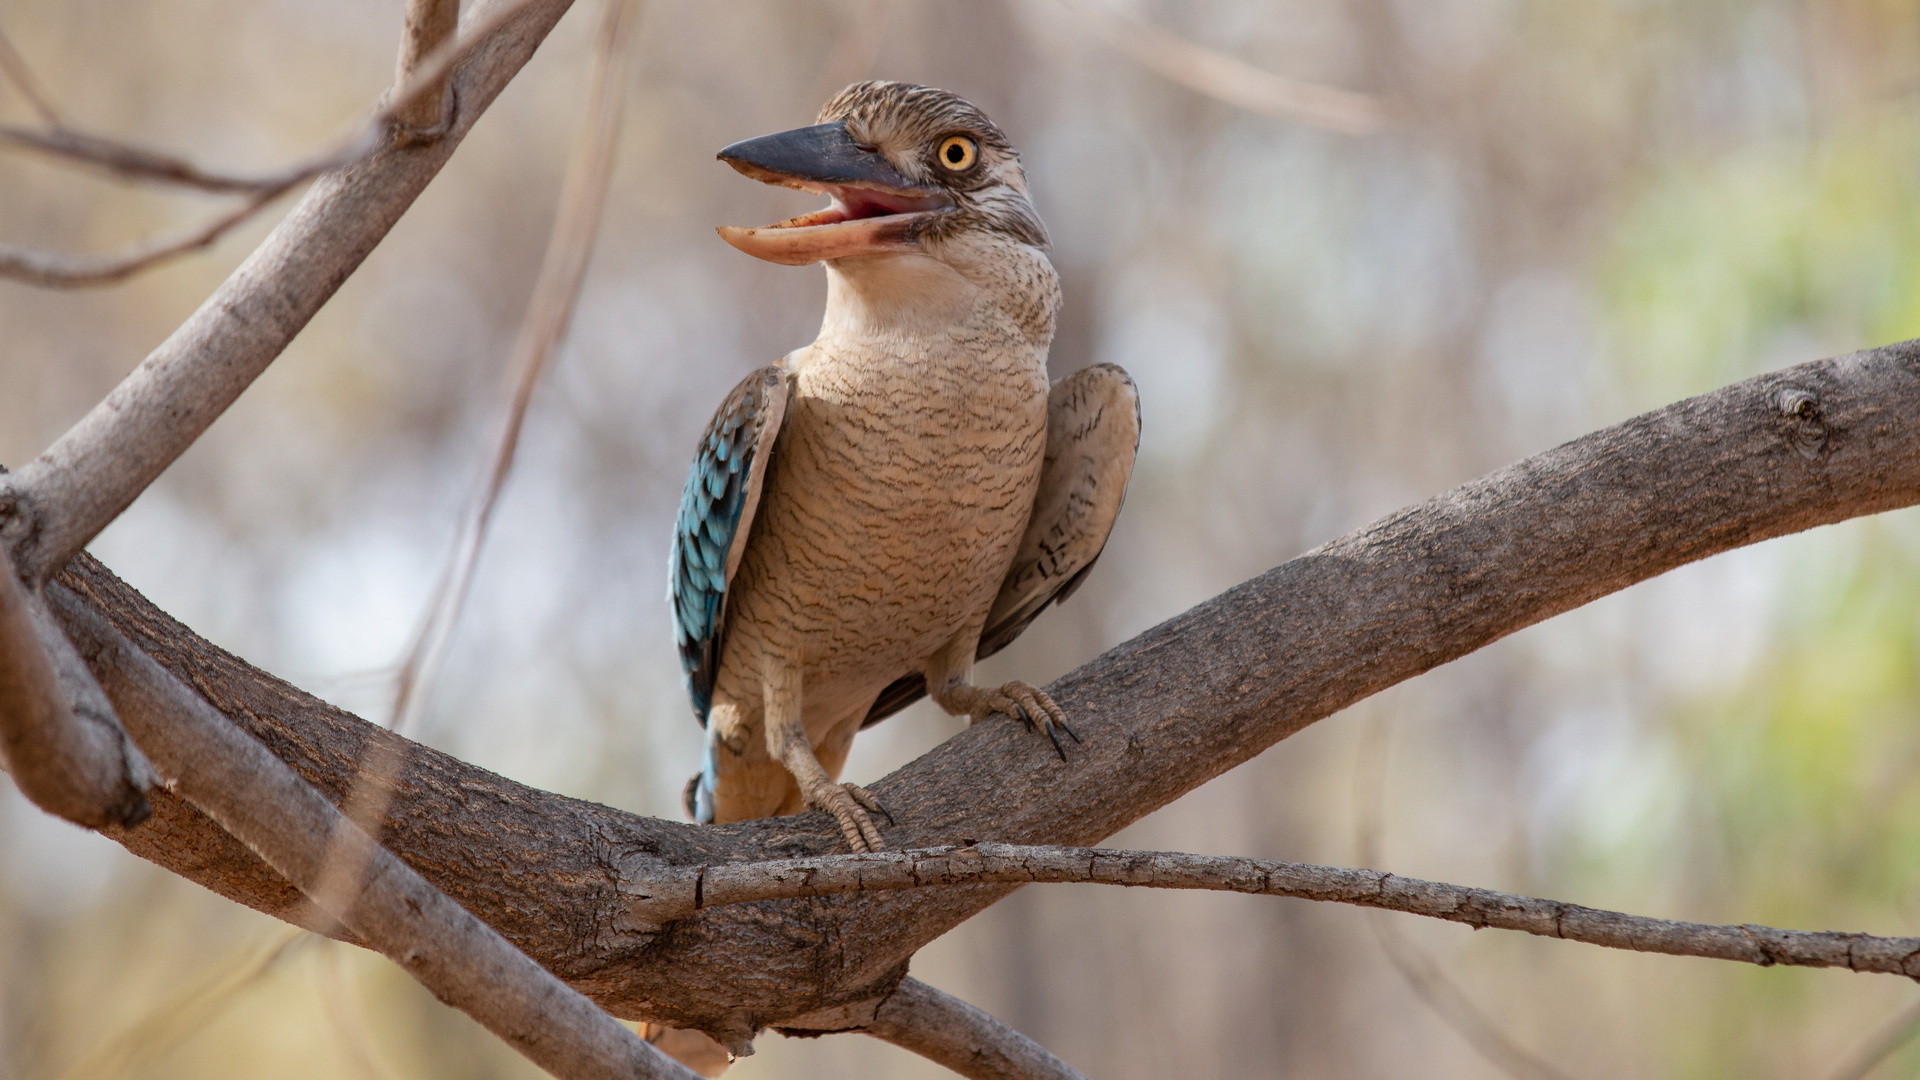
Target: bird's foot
849	804
1030	704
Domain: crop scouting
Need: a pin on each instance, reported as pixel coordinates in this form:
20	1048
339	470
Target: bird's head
910	169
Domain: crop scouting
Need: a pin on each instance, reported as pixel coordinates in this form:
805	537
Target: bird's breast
904	477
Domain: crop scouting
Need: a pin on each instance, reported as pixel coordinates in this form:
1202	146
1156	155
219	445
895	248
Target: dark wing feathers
1093	430
716	514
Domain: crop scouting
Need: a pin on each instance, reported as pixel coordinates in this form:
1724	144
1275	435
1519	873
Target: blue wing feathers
713	507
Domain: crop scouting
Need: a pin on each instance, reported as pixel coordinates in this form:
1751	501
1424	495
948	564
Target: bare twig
360	141
128	161
254	796
21	76
1435	989
1871	1054
185	1013
67	495
340	1000
583	197
62	744
1422	973
1233	81
59	270
678	893
942	1028
429	25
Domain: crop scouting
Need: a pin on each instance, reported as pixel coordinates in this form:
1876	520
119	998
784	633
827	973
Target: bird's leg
950	685
787	742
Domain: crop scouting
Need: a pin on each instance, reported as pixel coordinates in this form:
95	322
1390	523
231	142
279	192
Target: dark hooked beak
875	209
814	157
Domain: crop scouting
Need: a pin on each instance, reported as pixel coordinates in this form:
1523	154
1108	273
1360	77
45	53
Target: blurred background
1588	208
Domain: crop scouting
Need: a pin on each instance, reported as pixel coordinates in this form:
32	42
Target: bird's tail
697	797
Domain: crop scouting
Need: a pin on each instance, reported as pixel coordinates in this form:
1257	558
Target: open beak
875	210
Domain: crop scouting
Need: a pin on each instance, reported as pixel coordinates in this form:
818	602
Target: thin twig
15	68
429	25
1423	975
1871	1054
340	1000
162	1028
235	780
583	197
59	501
361	139
1438	992
1233	81
129	161
57	270
678	893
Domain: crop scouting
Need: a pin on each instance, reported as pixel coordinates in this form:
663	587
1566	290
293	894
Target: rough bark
59	737
678	893
255	798
1160	714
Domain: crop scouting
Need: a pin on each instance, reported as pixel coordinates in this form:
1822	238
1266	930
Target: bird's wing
716	514
1093	429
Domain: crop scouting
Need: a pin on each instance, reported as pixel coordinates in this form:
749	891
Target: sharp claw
1057	748
866	798
1062	725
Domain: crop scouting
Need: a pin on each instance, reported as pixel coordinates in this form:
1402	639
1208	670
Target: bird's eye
957	153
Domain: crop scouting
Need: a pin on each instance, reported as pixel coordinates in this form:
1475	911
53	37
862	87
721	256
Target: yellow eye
957	153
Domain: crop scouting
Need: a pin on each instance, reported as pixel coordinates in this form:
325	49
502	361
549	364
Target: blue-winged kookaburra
878	510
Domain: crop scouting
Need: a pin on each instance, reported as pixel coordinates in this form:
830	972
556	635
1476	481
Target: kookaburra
867	517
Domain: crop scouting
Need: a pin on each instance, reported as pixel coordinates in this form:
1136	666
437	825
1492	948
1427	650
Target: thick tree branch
1160	714
69	493
678	893
59	738
292	827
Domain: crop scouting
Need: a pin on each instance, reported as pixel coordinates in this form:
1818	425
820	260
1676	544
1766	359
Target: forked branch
1160	714
429	25
426	88
254	796
63	498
